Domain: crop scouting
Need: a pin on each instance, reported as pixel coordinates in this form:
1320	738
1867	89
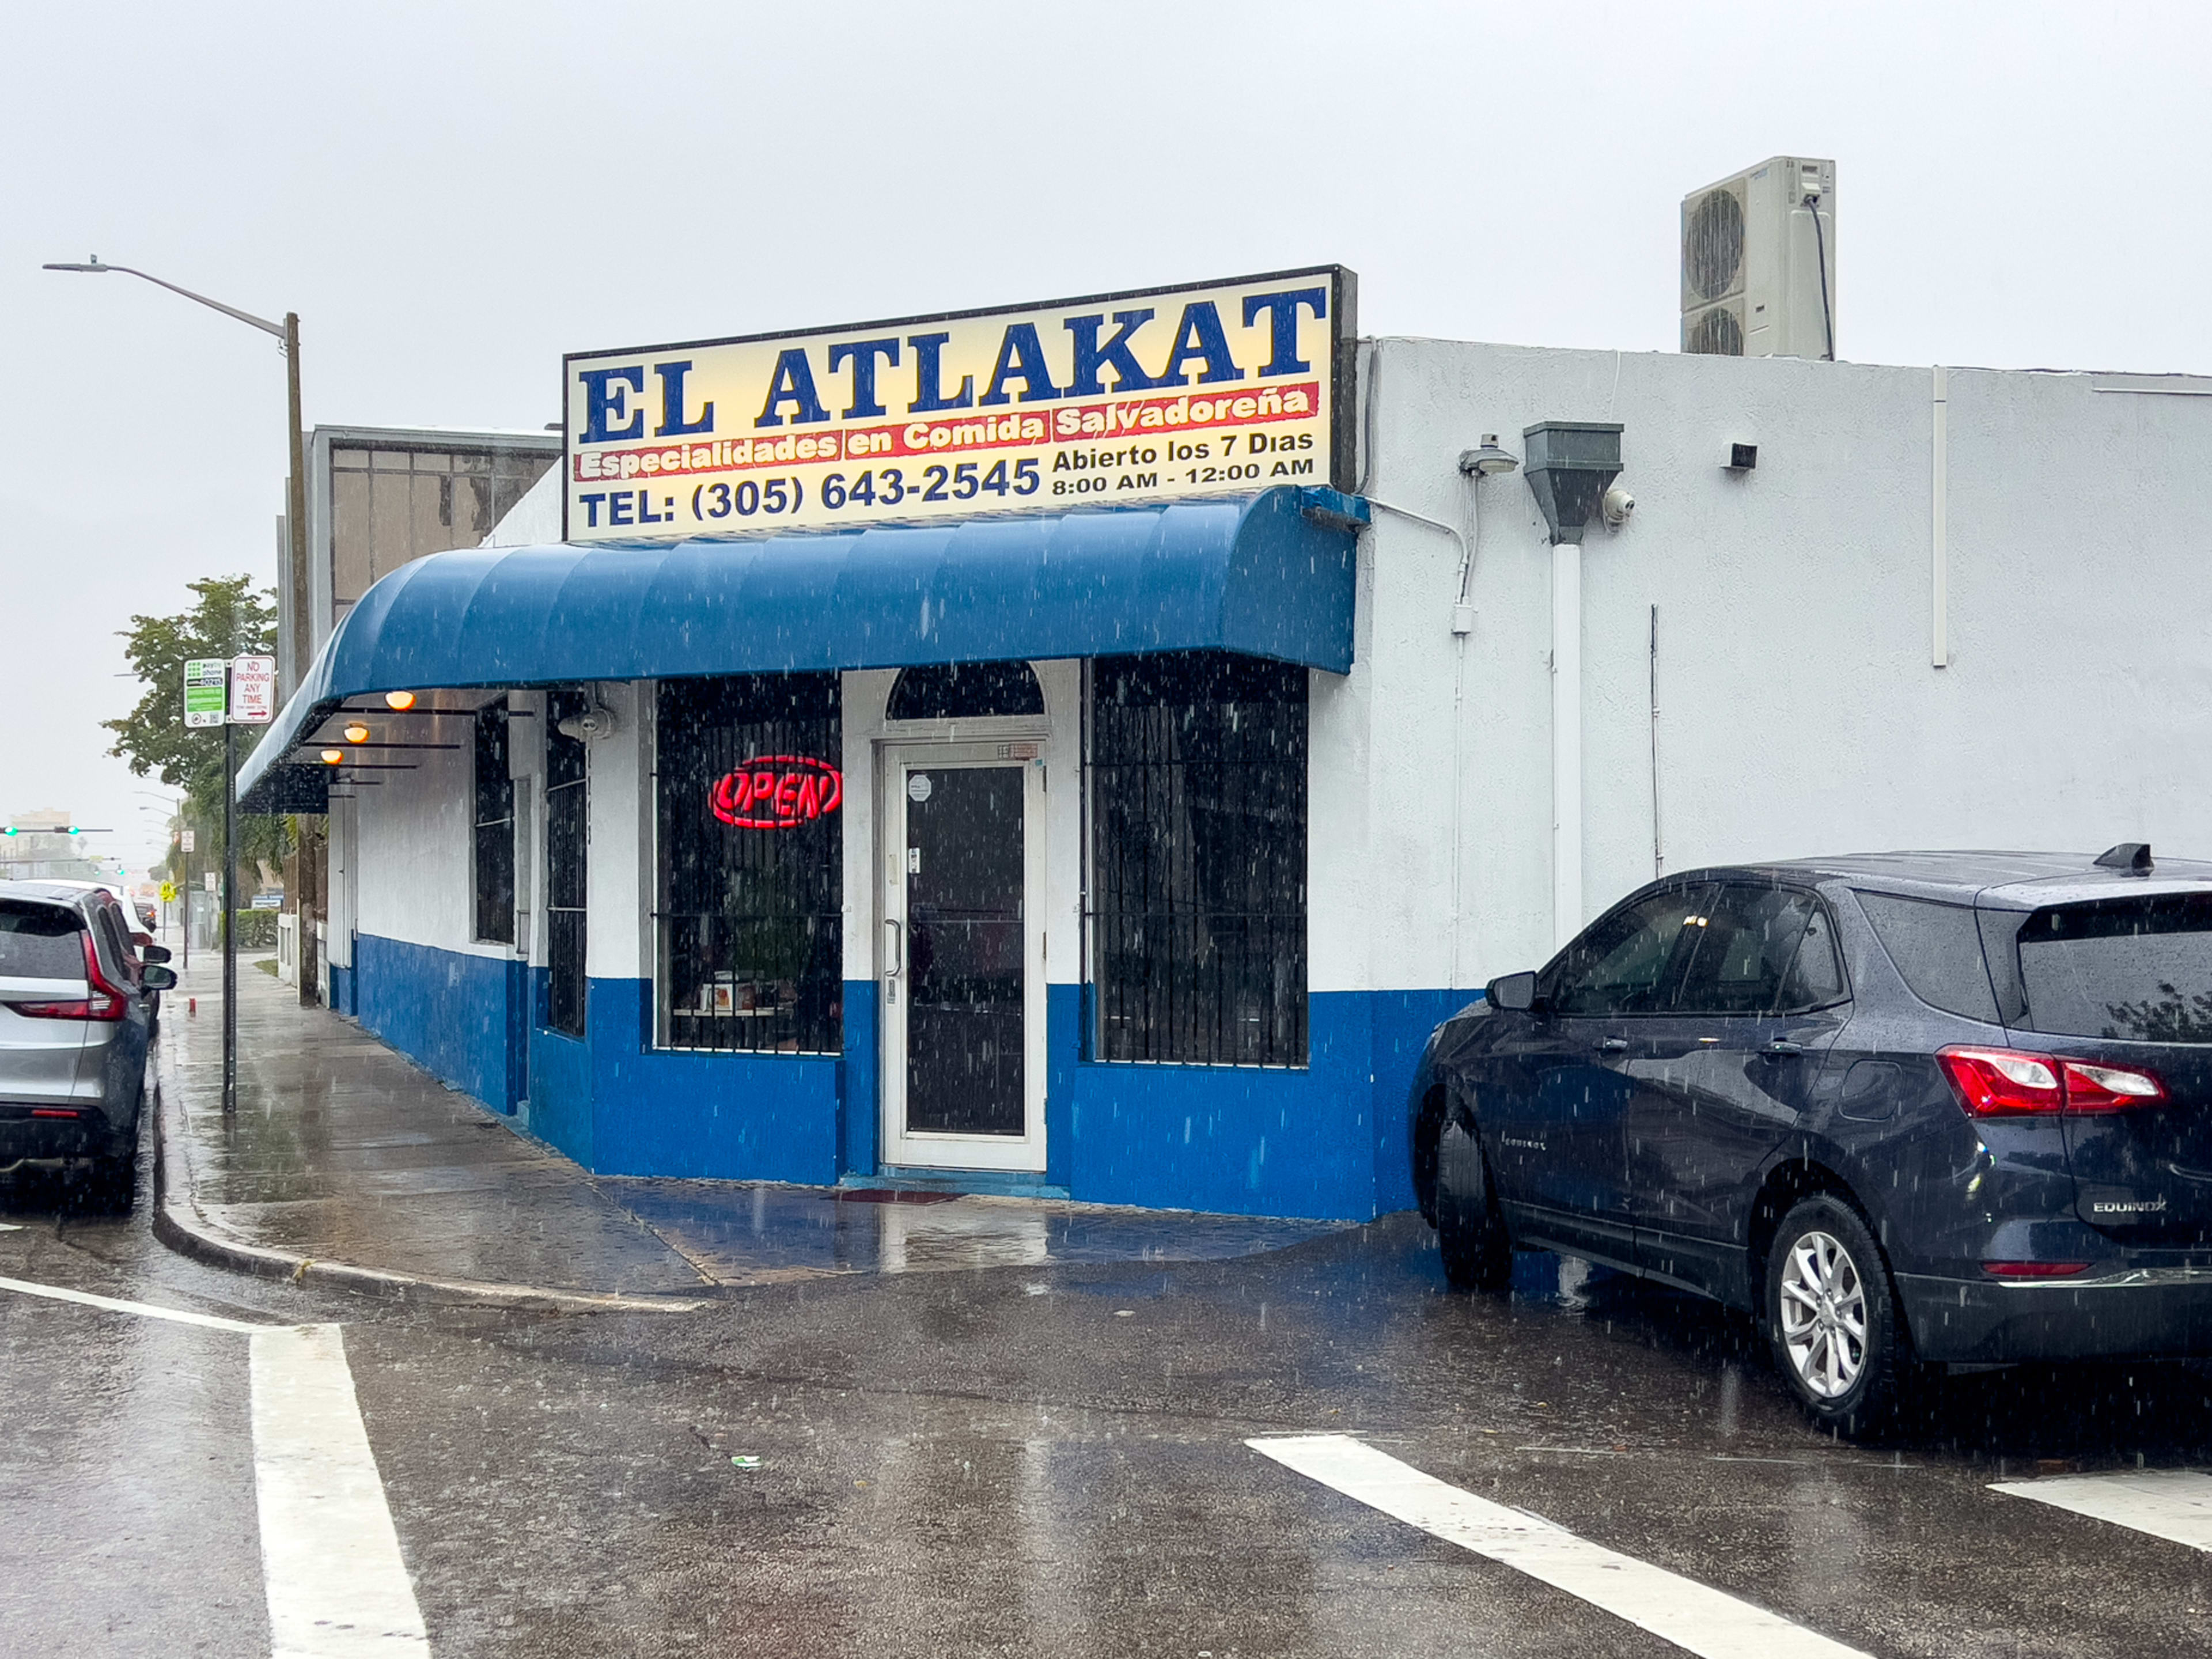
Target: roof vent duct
1569	465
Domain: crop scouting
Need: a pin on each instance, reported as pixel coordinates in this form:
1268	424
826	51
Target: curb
179	1224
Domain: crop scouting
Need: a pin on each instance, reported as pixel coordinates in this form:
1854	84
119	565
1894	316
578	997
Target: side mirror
154	953
158	978
1515	992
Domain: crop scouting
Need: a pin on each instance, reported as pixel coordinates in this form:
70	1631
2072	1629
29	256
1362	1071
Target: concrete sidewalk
346	1164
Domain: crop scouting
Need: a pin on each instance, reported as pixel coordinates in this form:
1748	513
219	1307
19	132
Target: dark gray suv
1947	1108
76	1010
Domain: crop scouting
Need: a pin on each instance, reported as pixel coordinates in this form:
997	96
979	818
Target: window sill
1199	1065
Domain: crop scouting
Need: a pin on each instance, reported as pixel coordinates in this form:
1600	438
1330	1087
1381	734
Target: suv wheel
1831	1319
1470	1233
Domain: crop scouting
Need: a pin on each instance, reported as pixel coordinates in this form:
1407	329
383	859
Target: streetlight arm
261	323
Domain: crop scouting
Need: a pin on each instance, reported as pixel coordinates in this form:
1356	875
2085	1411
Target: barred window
495	829
567	846
1198	790
750	915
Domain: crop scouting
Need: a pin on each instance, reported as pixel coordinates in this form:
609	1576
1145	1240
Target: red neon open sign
778	791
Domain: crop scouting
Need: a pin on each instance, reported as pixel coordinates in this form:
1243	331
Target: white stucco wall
1800	712
411	841
618	941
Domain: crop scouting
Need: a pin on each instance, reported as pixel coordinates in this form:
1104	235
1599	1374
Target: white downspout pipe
1566	741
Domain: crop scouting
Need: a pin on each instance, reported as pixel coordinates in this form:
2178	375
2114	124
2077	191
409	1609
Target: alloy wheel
1824	1315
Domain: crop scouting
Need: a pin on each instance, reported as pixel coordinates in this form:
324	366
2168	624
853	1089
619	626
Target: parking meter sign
206	690
253	690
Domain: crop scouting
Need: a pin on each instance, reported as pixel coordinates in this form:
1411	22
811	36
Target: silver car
76	1007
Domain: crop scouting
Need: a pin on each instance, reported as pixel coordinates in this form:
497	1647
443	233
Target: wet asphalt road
1051	1461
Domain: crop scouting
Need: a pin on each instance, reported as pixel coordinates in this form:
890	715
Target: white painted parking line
1693	1616
143	1310
338	1587
2175	1504
10	1227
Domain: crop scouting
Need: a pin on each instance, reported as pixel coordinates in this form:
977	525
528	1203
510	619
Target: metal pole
229	916
188	859
296	510
307	902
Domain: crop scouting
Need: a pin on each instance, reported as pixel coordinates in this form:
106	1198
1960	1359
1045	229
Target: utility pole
229	916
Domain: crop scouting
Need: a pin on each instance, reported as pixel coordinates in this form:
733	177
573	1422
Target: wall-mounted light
333	756
403	701
356	732
1488	461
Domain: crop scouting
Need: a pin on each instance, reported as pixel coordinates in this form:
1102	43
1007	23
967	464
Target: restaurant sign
1210	389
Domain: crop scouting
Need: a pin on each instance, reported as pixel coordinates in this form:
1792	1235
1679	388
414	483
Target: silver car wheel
1824	1315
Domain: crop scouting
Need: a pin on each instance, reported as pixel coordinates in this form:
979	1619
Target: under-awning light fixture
403	701
333	756
356	732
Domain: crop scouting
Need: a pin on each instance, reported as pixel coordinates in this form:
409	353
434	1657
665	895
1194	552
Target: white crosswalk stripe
338	1587
141	1309
1693	1616
2175	1504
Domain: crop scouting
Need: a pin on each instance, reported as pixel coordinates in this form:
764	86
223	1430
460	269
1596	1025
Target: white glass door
962	959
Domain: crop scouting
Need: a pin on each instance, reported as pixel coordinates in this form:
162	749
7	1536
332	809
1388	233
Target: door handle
1784	1045
1612	1045
896	954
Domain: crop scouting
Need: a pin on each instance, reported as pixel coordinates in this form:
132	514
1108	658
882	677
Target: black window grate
495	829
1197	765
567	849
969	691
750	913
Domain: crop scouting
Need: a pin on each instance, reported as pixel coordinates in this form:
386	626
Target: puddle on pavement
743	1234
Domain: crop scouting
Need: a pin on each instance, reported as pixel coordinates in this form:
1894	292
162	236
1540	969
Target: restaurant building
1084	749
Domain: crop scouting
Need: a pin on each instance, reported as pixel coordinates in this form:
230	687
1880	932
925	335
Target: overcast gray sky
451	195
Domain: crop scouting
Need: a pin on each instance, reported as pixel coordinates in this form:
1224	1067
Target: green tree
227	618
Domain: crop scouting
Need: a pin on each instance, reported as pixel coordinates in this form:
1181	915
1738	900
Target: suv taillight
106	1002
2008	1082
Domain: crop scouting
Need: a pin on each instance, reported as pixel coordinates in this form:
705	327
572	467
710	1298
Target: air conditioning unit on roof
1759	262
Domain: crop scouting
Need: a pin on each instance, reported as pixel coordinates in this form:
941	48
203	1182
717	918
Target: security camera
589	726
1616	506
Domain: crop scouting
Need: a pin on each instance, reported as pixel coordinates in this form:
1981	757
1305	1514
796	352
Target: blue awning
1268	576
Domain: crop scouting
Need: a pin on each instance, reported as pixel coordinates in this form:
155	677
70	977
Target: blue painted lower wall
449	1011
1327	1140
654	1112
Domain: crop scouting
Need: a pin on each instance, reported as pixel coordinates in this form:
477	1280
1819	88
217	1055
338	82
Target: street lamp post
295	504
295	513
